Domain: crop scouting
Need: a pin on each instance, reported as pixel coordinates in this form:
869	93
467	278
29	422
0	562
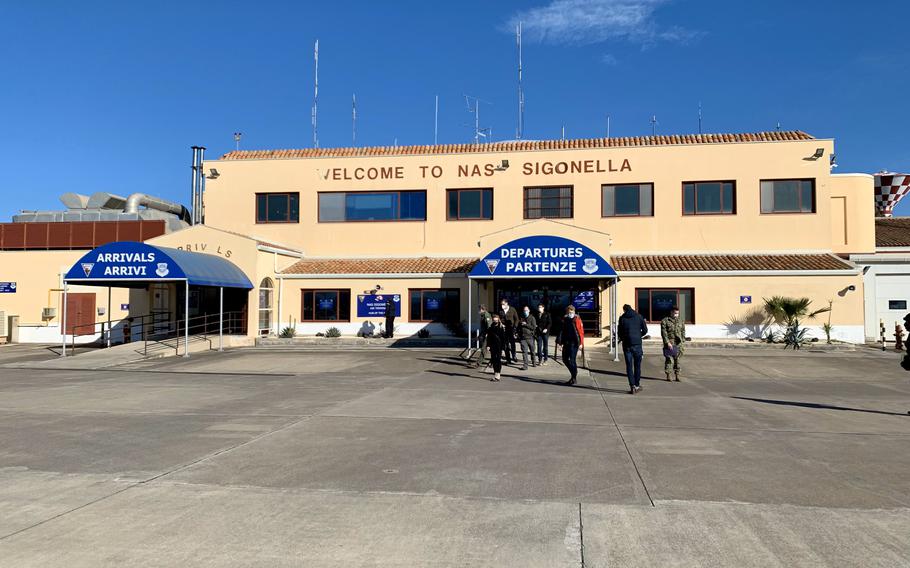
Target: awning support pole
280	295
108	317
470	330
221	318
613	326
186	315
63	323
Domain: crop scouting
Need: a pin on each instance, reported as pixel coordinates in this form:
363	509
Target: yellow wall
853	213
230	199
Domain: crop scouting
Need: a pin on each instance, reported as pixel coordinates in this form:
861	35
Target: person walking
509	318
527	330
571	337
390	317
485	321
543	334
495	341
673	334
631	328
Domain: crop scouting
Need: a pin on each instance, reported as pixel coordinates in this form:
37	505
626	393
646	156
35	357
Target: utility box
4	328
48	313
12	328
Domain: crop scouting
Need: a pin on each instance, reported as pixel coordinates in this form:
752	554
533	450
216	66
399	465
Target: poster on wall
326	303
7	287
584	300
373	305
431	303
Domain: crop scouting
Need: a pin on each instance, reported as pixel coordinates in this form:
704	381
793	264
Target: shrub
288	332
827	328
771	336
333	332
423	333
795	336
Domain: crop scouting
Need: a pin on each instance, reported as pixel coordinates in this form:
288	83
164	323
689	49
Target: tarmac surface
408	458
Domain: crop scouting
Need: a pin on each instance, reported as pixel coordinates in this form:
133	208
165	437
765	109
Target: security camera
852	288
213	173
378	287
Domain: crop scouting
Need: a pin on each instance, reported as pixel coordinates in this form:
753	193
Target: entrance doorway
555	294
80	313
204	309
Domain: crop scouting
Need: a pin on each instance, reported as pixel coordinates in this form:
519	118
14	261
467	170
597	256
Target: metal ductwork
73	200
135	200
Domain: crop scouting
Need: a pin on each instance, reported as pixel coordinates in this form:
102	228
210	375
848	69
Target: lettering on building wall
478	170
204	247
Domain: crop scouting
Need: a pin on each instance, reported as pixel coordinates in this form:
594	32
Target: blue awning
543	256
132	264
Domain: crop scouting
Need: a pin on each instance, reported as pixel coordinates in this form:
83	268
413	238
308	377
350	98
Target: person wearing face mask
485	322
543	334
571	337
673	333
509	318
527	329
495	341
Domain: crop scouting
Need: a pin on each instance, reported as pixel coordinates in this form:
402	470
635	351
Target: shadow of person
816	405
623	375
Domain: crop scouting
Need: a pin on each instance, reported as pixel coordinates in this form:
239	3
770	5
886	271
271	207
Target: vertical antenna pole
608	126
699	117
477	121
316	94
354	119
563	131
521	96
653	125
436	123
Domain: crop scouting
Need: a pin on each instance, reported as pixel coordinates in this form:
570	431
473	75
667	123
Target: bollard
898	337
881	328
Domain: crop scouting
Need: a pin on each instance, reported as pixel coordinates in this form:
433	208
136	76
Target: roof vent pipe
136	199
200	195
195	180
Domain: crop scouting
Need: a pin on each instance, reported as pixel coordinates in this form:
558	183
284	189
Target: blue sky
111	95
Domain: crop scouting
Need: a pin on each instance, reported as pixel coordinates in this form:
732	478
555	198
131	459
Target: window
325	305
548	202
277	207
709	198
266	287
469	204
897	305
654	304
373	206
627	200
788	196
434	306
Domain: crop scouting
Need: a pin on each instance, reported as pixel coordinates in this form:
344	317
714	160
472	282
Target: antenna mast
653	124
436	123
316	95
353	119
521	94
699	117
475	108
608	126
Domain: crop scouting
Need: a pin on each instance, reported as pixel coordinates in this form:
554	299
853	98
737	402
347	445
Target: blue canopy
542	256
132	264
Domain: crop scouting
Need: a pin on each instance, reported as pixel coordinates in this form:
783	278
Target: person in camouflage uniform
673	333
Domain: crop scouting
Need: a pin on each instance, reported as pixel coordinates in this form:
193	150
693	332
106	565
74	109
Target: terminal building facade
710	223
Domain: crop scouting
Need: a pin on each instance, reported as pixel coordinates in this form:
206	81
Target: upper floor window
373	206
277	207
788	196
627	200
548	202
464	204
709	198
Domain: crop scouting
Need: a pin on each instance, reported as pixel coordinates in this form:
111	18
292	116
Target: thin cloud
609	59
596	21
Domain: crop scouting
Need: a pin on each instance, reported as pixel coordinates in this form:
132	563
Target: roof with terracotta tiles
892	232
522	145
424	265
726	262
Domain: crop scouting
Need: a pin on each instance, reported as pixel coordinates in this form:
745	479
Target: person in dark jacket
390	317
495	340
527	330
486	320
509	318
631	328
543	334
571	338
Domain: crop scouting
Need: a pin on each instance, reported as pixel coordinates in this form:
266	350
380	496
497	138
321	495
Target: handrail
152	326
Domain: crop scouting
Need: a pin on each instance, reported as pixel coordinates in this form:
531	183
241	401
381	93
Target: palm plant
786	311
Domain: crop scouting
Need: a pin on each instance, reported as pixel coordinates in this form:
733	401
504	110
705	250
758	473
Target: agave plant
786	311
795	336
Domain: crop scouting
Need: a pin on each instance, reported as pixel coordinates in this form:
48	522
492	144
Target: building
887	277
712	223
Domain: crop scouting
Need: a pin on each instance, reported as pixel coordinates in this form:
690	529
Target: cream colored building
713	223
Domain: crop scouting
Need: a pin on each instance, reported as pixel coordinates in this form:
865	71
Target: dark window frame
338	291
411	318
614	186
458	206
319	195
268	194
525	198
721	212
650	294
799	198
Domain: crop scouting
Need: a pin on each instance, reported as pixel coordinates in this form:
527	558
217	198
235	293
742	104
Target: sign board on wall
745	299
584	300
373	305
124	307
543	256
7	287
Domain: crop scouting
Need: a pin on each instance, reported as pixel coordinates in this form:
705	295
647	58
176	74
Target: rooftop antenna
521	95
653	125
563	131
777	128
436	123
608	126
475	108
237	137
316	95
699	117
353	119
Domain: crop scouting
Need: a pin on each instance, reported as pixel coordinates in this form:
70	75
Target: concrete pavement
406	457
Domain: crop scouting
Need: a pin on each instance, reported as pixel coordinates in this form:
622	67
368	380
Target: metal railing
154	328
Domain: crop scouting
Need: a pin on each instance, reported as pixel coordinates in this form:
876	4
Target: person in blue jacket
631	328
